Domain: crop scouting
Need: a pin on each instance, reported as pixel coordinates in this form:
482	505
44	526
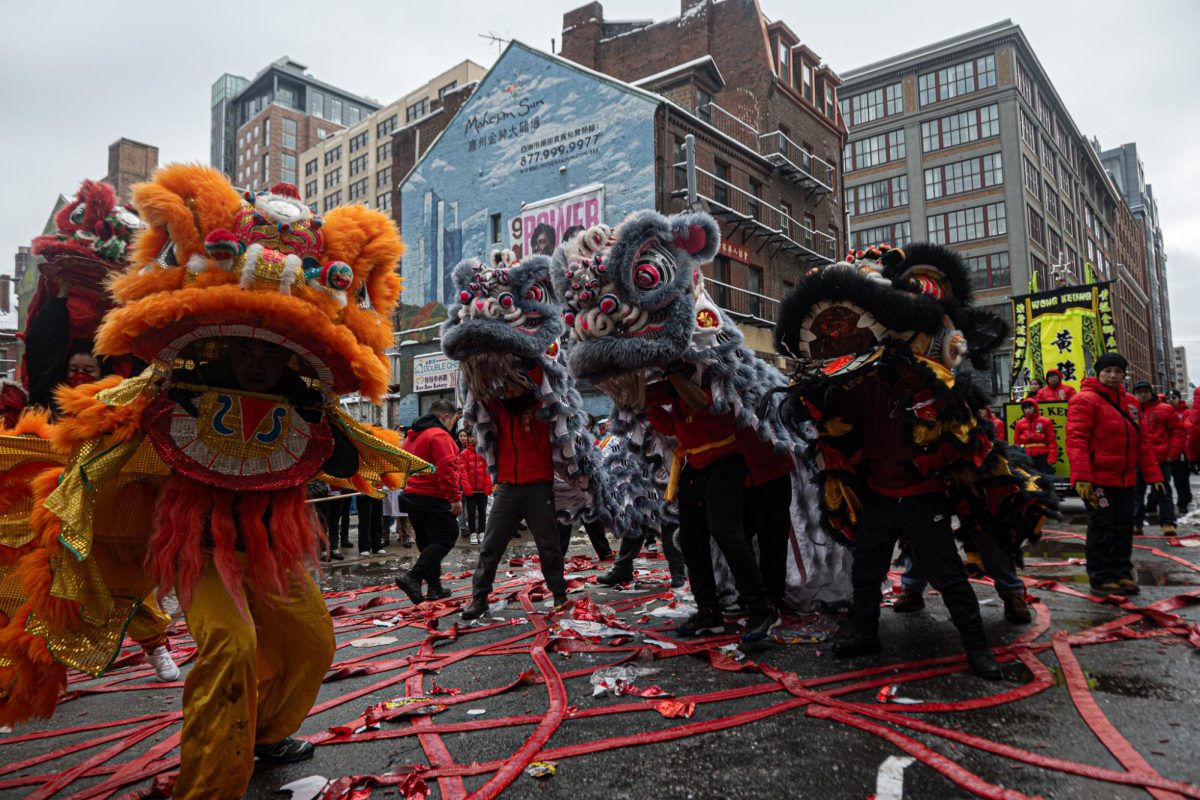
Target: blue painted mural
538	133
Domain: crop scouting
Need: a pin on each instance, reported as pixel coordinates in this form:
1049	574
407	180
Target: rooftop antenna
494	38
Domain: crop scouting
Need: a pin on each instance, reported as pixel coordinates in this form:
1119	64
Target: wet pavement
786	721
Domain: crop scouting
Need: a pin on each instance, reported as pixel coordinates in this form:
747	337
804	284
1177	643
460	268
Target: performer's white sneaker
164	666
474	538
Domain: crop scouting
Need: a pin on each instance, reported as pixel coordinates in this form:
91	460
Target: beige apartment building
354	165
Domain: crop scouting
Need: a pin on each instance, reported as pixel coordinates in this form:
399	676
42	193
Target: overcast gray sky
79	75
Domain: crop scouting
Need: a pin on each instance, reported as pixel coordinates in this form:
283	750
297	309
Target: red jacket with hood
524	450
1036	434
1193	419
1166	433
1051	394
1105	446
475	477
429	440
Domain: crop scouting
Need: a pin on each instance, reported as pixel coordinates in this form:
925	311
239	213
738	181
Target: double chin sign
544	225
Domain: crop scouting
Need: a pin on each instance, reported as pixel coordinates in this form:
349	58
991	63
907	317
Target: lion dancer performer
901	450
527	416
90	241
645	331
254	316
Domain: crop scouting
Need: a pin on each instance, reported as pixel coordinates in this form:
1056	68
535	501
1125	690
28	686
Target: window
897	234
1053	242
755	194
335	110
963	176
267	129
359	141
830	106
416	110
383	153
1033	181
1037	227
384	201
333	154
358	189
754	280
1038	267
288	172
386	127
956	129
783	63
987	272
332	201
289	133
333	177
703	104
806	80
354	114
967	225
869	198
875	104
316	104
1028	131
266	166
720	281
874	150
1024	83
680	165
310	168
785	217
310	190
496	228
286	96
1069	222
359	164
808	234
383	178
721	184
957	80
1050	201
322	133
442	92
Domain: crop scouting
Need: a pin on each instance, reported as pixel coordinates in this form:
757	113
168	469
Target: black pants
475	506
1043	463
370	524
631	547
512	502
595	533
710	508
1163	499
767	515
1181	474
924	521
337	521
1110	534
437	532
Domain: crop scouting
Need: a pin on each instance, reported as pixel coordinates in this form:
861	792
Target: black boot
410	586
436	591
907	601
983	665
857	638
614	576
476	609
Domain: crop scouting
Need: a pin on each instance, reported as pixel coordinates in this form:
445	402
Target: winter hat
1142	385
1111	360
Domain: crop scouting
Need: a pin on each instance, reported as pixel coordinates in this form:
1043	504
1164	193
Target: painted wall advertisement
542	226
433	372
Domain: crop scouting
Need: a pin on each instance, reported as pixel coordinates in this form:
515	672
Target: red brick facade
266	132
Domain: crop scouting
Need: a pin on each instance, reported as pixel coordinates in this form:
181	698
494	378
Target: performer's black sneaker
983	665
908	600
615	576
410	586
477	608
678	582
288	751
706	620
560	600
856	639
437	592
758	628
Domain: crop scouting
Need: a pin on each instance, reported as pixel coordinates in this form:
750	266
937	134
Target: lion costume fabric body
905	316
136	485
635	305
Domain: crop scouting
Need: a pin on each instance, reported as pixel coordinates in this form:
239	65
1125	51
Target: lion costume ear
697	235
181	203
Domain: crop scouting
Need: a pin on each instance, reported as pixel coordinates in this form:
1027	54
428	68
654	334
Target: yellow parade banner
1066	329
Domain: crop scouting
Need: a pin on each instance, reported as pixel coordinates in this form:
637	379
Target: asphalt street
787	721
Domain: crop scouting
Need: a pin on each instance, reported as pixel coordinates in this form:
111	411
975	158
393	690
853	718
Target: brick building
966	142
763	112
129	162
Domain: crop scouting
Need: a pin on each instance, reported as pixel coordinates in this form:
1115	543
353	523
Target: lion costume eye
655	267
506	300
535	293
78	213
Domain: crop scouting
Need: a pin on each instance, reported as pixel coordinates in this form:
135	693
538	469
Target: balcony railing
760	219
793	161
743	302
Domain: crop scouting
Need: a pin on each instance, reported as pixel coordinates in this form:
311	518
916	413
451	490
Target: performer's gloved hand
1086	492
1160	488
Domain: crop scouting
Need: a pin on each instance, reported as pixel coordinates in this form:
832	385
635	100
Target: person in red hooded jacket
1106	447
984	412
1168	438
476	488
433	500
1035	434
1181	467
1054	390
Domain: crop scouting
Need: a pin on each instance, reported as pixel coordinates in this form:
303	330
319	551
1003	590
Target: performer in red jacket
1106	447
1055	389
476	488
1168	439
1036	435
1181	467
433	500
985	412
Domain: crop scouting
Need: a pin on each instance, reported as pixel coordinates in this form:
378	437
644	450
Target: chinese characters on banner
544	225
1066	329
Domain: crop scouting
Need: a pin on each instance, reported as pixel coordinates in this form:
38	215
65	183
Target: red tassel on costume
278	532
